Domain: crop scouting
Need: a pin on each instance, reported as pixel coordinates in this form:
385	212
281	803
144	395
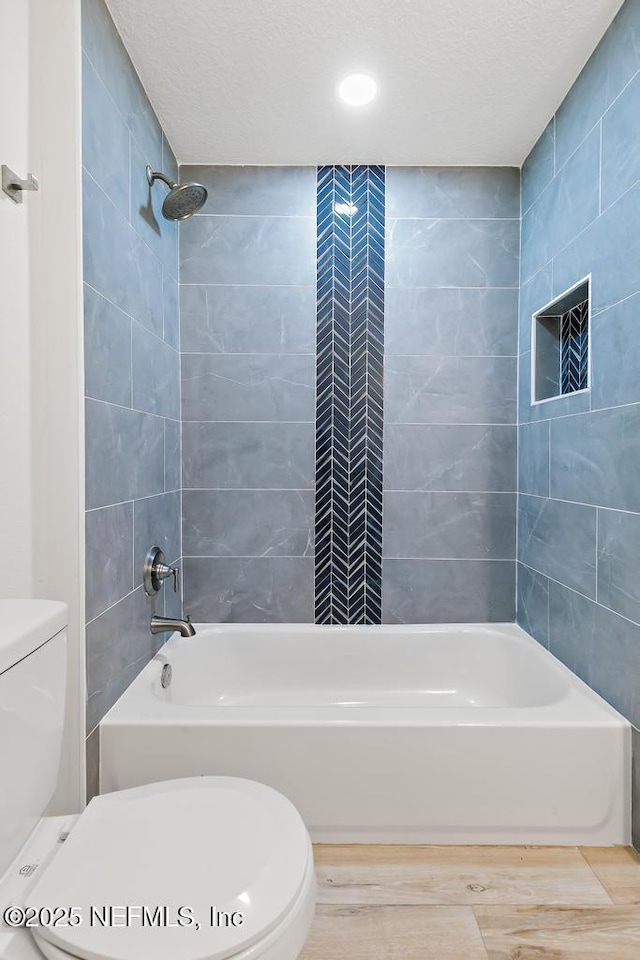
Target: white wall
41	382
16	573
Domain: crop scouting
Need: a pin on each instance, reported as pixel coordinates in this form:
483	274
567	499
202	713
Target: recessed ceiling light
357	89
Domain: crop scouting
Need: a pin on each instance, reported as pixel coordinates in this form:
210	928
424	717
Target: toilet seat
284	942
201	842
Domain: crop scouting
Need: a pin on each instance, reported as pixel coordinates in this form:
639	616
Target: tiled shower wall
450	394
579	456
248	315
247	301
132	372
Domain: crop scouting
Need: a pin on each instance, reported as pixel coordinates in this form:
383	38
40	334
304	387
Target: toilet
202	868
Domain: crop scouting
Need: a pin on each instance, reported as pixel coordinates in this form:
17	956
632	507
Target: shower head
183	199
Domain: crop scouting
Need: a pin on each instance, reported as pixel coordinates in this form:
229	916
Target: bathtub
413	734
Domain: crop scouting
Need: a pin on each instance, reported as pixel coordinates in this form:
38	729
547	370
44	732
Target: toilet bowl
205	868
201	868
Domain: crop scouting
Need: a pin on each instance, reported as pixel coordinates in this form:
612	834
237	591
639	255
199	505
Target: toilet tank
33	666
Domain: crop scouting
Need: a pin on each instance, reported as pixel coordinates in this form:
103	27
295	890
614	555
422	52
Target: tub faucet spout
167	625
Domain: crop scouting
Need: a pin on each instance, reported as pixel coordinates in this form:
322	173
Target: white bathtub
418	734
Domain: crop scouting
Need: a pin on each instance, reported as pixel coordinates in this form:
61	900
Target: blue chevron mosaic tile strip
349	398
574	349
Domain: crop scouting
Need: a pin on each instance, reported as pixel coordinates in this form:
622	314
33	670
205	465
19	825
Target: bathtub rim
581	706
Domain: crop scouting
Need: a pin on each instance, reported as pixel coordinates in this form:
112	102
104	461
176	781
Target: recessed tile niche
560	345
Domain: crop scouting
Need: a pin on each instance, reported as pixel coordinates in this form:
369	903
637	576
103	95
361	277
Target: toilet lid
217	847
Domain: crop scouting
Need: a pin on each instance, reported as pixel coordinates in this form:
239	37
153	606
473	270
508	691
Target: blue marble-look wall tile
241	319
533	603
156	375
107	350
248	387
172	455
118	644
613	63
609	249
252	250
171	314
526	409
101	701
551	409
157	523
109	556
256	191
262	590
454	192
615	351
450	389
460	321
145	213
559	540
129	306
533	458
534	294
117	263
449	525
460	591
124	454
563	209
101	41
248	455
594	441
620	153
173	605
572	630
538	169
105	139
619	562
601	647
453	253
104	48
443	457
595	458
248	523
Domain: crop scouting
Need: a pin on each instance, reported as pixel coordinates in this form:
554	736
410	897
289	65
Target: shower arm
156	175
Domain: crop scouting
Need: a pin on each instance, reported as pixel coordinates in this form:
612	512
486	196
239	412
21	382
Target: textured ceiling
460	81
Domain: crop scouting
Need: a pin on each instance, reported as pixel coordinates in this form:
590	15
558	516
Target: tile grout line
588	226
140	323
579	503
583	595
480	931
558	169
597	546
597	878
127	220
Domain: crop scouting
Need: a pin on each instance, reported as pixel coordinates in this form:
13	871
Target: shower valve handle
156	571
163	570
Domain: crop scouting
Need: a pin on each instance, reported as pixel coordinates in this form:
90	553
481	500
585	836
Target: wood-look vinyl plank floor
475	903
618	870
560	933
393	933
455	875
